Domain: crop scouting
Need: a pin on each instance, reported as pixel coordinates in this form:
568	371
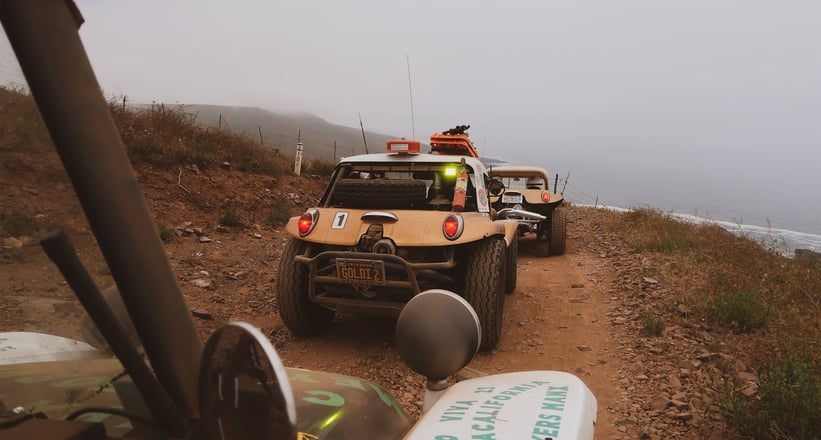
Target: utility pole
298	160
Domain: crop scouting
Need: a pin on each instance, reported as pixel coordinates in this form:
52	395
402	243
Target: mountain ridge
282	130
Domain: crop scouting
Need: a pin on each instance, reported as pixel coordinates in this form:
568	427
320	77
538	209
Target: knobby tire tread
302	316
558	232
483	288
511	276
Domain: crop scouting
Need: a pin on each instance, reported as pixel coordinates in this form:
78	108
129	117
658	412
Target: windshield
418	186
514	182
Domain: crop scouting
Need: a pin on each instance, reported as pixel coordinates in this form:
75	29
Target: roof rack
453	142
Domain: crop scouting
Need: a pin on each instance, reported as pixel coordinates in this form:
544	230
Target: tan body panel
532	196
414	228
519	171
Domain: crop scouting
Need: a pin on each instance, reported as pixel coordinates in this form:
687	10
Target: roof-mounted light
404	146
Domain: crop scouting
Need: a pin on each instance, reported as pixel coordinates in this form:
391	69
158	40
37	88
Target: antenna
484	140
363	133
410	88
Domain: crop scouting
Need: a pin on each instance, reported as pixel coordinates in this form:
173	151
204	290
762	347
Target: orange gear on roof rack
453	142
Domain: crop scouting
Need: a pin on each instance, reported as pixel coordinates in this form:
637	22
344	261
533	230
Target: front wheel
483	288
301	315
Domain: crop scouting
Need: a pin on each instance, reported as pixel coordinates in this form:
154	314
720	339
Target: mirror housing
244	391
437	334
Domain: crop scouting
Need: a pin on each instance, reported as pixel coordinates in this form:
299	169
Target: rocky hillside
682	331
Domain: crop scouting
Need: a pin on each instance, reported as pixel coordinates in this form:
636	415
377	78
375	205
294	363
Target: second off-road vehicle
523	193
394	224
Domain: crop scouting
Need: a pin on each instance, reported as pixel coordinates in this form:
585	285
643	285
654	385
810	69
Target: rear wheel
511	261
301	315
483	288
557	237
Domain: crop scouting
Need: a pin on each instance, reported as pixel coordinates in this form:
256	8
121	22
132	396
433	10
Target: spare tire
379	193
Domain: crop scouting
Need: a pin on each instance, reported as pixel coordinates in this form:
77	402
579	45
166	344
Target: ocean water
782	241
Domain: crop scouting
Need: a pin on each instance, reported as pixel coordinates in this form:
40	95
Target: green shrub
280	212
16	223
742	311
788	404
651	325
167	234
230	217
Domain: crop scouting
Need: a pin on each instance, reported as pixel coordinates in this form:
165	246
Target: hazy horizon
702	107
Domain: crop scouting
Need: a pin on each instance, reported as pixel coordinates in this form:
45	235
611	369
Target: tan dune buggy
523	193
392	225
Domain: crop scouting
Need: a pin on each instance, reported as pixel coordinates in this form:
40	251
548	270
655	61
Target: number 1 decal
340	218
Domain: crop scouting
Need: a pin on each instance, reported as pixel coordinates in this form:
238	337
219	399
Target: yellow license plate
371	272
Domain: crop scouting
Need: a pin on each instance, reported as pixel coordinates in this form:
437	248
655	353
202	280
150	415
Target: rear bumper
400	274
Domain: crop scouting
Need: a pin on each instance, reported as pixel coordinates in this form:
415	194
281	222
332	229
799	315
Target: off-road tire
557	238
400	193
483	287
301	315
511	261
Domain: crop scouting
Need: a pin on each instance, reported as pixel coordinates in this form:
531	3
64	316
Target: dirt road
567	312
555	320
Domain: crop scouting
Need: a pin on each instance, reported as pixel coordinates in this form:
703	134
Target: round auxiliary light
545	196
307	222
453	226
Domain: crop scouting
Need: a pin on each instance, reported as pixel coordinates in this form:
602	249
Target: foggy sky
702	106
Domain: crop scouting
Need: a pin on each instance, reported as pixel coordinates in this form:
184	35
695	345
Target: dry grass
23	127
742	287
165	136
158	135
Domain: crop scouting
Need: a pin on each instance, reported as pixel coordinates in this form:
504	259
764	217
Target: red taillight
307	221
452	227
545	196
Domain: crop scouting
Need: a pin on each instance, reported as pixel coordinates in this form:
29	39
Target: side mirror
437	334
244	391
